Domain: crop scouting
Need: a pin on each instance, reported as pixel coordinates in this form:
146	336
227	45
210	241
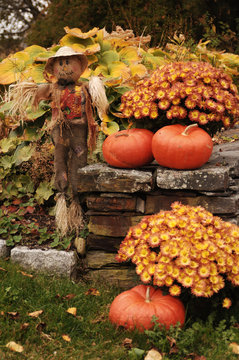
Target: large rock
100	177
61	263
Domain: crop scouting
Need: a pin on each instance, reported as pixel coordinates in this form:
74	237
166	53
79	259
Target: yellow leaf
66	338
89	50
14	346
72	311
92	291
119	69
129	54
35	314
138	70
234	347
78	33
34	73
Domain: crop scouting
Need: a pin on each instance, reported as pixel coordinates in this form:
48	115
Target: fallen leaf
2	313
2	269
69	296
35	314
14	346
46	336
92	291
153	355
13	314
24	326
66	338
127	343
25	274
72	311
234	347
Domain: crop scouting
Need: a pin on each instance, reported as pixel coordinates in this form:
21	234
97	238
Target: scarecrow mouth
65	82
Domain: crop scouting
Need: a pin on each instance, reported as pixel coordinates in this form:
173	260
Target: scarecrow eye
67	61
61	62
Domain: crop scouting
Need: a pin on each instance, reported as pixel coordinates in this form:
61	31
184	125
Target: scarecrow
73	128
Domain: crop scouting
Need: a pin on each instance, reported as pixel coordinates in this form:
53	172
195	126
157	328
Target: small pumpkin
182	147
128	148
136	307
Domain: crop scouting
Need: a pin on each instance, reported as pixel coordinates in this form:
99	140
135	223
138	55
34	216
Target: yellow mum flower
175	290
145	277
226	303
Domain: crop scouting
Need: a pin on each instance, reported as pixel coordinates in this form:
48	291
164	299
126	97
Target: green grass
92	335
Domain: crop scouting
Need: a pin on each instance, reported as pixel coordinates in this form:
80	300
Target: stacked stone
118	198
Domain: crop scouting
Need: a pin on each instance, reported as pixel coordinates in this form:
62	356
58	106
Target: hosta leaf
89	50
78	33
35	73
129	54
138	70
110	127
11	68
119	69
69	40
108	57
43	192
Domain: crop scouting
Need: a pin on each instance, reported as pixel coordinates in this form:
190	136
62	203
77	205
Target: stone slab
111	225
106	243
203	179
214	204
4	250
56	262
100	177
124	277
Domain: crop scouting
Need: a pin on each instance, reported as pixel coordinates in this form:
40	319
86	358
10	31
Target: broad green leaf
6	106
8	144
43	192
110	127
69	40
7	161
23	153
108	57
35	50
32	134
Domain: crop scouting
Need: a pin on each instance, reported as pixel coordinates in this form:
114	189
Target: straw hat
65	51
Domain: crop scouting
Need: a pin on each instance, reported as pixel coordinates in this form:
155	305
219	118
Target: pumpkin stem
147	297
185	132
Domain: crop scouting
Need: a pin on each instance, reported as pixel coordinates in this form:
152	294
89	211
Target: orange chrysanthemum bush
186	246
184	92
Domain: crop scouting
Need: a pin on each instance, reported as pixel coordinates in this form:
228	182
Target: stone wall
116	199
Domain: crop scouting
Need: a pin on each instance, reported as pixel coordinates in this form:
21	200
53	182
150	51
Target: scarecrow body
73	129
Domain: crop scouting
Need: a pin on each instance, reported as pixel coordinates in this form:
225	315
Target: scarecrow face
67	68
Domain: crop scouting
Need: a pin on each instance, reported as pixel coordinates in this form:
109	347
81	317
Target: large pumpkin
182	147
136	307
128	148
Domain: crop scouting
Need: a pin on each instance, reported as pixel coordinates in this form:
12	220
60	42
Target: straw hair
61	217
21	96
98	95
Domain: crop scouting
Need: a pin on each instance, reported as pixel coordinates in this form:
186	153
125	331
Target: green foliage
91	334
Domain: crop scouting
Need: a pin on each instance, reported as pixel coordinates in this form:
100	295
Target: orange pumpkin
182	147
136	307
128	148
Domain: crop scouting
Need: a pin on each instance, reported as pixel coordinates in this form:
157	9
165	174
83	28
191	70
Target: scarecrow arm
44	92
